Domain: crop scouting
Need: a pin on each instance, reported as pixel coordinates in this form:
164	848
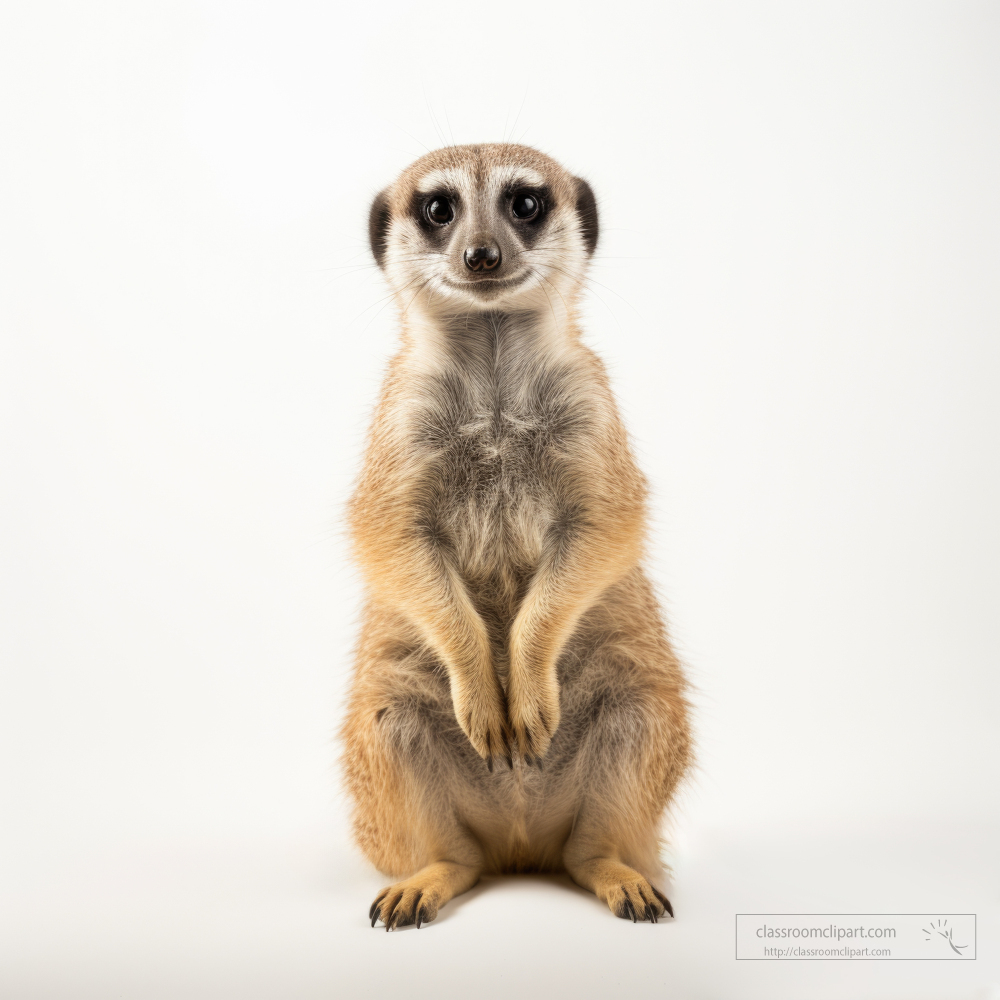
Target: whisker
385	301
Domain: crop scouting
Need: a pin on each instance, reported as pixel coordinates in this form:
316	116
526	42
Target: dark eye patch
527	207
436	233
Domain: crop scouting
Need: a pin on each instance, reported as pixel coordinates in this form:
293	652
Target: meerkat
516	704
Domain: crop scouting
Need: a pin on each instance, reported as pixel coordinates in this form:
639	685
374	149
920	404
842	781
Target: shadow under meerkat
516	705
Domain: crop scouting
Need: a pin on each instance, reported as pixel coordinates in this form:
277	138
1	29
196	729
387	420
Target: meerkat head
489	226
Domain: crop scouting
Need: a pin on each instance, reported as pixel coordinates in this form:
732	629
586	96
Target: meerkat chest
495	447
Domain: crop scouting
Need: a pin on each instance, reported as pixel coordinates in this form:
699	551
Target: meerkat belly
493	500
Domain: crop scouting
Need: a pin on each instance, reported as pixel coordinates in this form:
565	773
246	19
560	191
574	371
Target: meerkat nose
483	258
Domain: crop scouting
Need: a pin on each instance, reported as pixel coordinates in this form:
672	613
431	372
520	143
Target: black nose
482	258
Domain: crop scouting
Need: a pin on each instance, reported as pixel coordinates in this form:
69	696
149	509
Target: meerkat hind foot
635	899
628	894
416	900
639	900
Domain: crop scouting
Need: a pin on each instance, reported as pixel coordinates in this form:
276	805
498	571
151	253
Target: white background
796	292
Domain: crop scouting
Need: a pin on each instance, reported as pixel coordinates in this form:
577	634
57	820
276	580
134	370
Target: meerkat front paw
482	714
533	709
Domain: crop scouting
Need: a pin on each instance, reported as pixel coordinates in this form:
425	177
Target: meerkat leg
409	827
626	720
404	762
405	823
450	861
613	849
594	862
635	750
628	772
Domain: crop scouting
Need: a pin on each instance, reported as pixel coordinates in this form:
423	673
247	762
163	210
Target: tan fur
499	524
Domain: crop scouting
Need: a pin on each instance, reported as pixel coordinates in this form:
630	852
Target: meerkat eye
439	211
525	206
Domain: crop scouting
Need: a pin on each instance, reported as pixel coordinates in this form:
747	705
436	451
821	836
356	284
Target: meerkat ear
586	208
378	227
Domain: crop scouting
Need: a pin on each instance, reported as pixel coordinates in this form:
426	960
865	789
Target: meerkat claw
663	899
